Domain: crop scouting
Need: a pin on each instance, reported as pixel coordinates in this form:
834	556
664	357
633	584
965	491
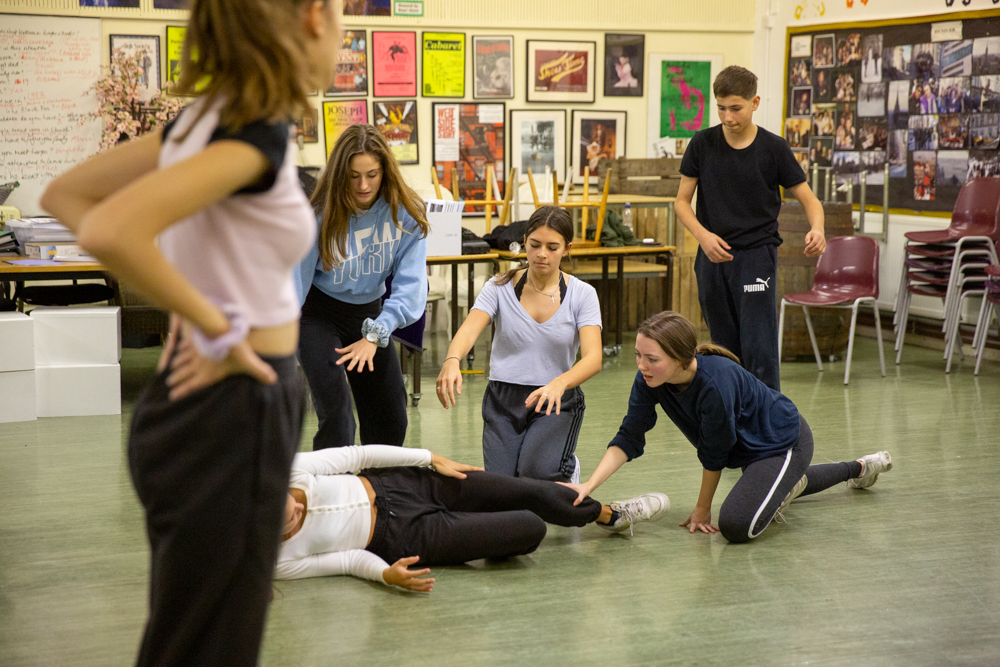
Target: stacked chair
991	305
950	263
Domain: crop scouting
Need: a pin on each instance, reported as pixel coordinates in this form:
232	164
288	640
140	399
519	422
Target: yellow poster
444	64
175	48
338	116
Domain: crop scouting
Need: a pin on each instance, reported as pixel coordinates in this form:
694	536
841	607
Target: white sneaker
872	464
646	507
575	478
796	491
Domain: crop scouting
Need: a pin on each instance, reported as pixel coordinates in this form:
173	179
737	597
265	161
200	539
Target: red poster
469	139
561	71
394	64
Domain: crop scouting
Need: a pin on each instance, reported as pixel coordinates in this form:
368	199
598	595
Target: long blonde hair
251	54
678	338
334	201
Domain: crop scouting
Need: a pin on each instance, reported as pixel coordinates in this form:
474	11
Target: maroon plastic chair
991	303
846	276
973	223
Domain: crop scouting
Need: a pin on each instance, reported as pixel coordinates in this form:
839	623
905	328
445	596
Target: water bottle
627	218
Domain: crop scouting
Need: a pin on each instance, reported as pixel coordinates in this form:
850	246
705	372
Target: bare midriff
277	341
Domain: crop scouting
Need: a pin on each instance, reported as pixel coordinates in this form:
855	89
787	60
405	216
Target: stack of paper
40	230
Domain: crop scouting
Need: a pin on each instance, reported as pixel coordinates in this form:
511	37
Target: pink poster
394	64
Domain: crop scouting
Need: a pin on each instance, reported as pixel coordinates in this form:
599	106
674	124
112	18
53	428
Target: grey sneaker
796	491
575	479
873	465
646	507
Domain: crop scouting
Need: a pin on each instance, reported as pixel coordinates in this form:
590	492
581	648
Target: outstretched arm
701	516
613	459
449	380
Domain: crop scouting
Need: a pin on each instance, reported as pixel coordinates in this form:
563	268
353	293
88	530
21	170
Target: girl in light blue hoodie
371	226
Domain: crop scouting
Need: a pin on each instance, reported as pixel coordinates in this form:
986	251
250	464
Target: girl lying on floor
411	507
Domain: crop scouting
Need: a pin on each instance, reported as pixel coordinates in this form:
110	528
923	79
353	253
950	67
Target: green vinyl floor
907	573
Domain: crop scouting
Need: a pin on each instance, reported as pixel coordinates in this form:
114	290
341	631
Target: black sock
856	468
615	515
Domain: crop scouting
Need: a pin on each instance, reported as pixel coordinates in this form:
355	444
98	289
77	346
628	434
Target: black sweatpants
520	442
750	506
379	395
738	303
448	521
212	472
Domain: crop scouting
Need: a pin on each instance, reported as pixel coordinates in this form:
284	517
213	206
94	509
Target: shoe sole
887	461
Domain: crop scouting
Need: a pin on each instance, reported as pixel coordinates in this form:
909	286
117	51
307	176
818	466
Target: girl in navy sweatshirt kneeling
371	226
734	421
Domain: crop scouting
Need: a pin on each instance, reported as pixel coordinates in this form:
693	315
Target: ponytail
713	350
678	338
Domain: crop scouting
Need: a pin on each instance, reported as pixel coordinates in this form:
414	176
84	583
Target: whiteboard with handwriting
47	121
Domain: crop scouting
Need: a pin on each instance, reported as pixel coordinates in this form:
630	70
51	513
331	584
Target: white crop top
241	250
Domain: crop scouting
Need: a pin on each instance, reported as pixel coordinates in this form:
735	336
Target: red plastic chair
973	223
991	303
846	276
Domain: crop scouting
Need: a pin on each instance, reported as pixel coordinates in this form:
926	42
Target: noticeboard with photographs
912	94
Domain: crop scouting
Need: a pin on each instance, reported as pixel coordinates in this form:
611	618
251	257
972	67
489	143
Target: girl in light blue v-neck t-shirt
533	362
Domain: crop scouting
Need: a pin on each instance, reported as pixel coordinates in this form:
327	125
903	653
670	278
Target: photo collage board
922	97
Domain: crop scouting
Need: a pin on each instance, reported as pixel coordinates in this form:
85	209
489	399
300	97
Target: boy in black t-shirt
737	168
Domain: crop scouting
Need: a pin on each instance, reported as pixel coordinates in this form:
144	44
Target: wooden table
17	275
605	254
574	201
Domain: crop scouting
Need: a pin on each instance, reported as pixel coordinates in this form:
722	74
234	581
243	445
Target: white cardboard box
17	342
72	391
445	237
17	396
77	336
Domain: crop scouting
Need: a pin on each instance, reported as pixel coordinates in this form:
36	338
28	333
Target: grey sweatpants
751	505
519	442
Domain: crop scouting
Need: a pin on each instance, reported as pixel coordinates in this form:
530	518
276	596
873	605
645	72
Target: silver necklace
552	296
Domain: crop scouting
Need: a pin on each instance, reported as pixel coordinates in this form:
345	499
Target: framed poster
469	138
397	121
351	77
170	4
394	64
596	135
338	116
624	58
538	141
492	67
147	49
307	126
367	7
175	49
444	64
681	101
560	71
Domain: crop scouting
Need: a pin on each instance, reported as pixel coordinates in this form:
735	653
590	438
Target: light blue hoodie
376	249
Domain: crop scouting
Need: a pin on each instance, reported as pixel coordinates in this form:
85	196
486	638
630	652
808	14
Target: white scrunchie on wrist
218	348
